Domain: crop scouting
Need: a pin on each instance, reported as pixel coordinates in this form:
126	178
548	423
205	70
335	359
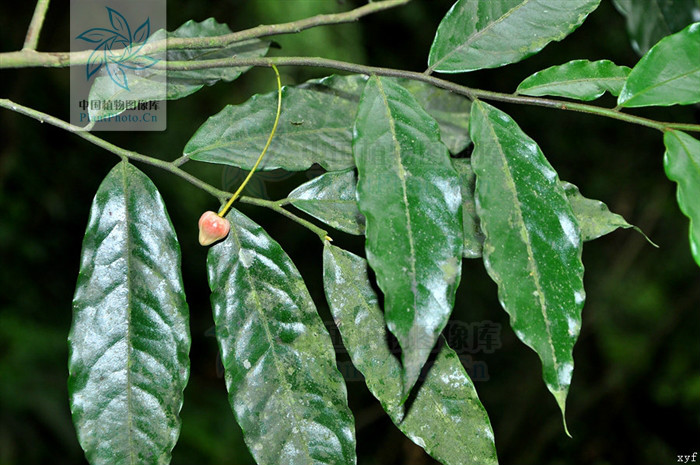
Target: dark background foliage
635	396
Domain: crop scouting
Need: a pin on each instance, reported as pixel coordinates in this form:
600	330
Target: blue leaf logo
117	49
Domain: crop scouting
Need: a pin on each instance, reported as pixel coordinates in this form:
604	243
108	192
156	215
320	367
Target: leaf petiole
235	195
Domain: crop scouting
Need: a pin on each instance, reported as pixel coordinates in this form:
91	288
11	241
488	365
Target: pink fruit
212	228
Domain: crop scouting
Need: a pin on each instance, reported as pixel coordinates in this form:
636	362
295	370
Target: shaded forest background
635	396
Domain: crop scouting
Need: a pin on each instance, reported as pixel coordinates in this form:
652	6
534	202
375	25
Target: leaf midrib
478	34
531	258
660	84
129	308
573	81
404	189
270	340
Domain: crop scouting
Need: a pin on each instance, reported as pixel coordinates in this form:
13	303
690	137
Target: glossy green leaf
533	242
648	21
578	79
331	198
283	384
308	133
668	74
477	34
129	341
593	216
410	196
473	237
446	418
147	85
682	164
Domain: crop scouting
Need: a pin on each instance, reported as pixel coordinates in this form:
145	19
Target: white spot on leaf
564	374
246	256
574	326
570	229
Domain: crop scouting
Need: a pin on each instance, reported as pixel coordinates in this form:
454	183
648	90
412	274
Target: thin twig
469	92
34	29
165	165
31	58
275	205
129	154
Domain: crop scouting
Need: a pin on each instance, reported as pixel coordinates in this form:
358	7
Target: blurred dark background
635	396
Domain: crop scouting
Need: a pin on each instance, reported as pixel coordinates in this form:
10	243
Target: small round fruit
212	228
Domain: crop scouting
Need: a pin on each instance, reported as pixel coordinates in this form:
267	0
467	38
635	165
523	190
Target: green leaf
476	34
473	237
593	216
360	320
308	133
446	418
331	198
648	21
150	84
533	242
682	164
451	111
129	340
579	79
410	196
283	384
668	74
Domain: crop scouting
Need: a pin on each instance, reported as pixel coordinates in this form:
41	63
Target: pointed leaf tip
532	247
446	417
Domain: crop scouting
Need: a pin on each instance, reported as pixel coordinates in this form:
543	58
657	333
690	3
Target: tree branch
277	206
32	38
129	154
469	92
165	165
29	58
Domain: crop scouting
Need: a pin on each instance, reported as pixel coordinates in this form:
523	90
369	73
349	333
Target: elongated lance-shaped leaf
533	242
331	198
477	34
155	83
473	237
579	79
446	418
410	196
129	341
668	74
648	21
682	164
283	384
308	133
